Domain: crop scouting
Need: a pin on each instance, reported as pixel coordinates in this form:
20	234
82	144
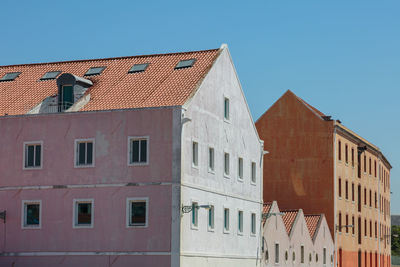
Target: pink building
91	161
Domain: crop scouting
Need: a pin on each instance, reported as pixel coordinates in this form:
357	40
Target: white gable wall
238	137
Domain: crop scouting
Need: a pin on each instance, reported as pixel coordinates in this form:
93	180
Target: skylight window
185	63
138	68
94	71
51	75
11	76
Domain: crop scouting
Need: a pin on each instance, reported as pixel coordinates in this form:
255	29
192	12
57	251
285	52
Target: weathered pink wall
111	130
109	234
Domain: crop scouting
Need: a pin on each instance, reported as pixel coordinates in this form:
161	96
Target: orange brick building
317	164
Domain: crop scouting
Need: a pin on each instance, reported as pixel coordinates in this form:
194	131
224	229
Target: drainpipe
334	197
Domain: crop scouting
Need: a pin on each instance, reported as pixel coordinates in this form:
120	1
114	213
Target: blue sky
341	56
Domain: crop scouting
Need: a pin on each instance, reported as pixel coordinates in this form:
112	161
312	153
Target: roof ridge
109	58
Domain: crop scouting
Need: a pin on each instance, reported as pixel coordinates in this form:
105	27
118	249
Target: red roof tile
266	209
312	223
114	88
288	219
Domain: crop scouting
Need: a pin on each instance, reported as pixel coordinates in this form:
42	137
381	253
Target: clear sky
341	56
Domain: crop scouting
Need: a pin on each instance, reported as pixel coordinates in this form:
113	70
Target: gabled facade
317	164
291	238
112	168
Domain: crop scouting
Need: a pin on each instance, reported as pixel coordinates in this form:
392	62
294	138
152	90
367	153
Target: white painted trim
24	156
86	253
75	224
23	214
224	256
76	152
129	150
129	200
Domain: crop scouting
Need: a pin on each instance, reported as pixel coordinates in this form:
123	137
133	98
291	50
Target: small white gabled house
221	173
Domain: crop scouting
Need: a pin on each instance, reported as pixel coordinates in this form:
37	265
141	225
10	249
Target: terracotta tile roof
312	223
266	209
288	219
114	88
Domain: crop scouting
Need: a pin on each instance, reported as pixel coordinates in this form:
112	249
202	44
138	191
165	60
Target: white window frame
240	231
251	223
253	173
240	169
211	228
227	116
75	224
24	213
24	155
211	170
129	200
226	231
227	175
133	138
195	212
76	154
195	154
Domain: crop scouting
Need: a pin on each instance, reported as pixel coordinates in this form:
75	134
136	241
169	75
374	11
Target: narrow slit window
226	164
226	108
226	219
195	154
211	217
240	168
240	221
195	214
211	159
253	172
253	224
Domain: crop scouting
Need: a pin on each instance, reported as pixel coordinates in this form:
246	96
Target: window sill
227	120
138	164
196	167
240	233
31	227
240	180
211	171
83	166
212	230
227	231
32	168
227	176
253	183
194	227
83	226
253	235
136	226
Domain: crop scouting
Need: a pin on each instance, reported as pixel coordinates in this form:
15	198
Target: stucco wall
236	137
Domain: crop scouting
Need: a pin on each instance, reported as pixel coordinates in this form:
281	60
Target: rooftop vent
11	76
138	68
187	63
94	71
51	75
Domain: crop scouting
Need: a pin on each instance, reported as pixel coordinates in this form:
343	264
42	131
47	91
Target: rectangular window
302	254
83	213
137	212
31	214
376	233
347	190
324	256
240	221
347	223
365	227
352	157
253	223
365	196
354	226
195	214
340	187
370	166
226	163
211	218
33	155
253	172
226	219
211	159
340	222
370	198
365	163
276	253
195	154
339	150
240	168
138	150
352	192
346	154
84	151
375	168
226	108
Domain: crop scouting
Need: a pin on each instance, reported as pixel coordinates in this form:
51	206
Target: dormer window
70	89
67	97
